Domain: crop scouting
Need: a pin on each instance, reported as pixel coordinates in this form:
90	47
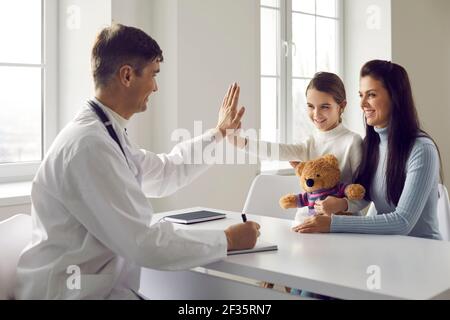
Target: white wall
136	13
75	44
215	43
367	36
421	43
163	109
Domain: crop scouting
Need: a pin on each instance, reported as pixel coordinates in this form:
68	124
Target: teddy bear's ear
299	168
332	160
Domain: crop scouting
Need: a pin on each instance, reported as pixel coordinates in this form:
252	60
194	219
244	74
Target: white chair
15	235
443	211
265	193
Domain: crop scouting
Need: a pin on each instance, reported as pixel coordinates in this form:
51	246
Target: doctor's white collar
117	117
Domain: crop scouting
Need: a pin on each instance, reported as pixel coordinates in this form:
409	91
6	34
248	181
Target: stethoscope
108	124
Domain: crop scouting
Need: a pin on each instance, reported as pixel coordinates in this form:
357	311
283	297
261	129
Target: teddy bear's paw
355	192
288	202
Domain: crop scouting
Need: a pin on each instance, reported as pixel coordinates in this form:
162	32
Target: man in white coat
89	198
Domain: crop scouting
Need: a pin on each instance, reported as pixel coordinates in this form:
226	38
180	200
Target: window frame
25	171
285	49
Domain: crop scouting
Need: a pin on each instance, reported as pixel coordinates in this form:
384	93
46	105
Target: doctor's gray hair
120	45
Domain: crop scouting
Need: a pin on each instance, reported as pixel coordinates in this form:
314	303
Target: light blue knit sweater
416	213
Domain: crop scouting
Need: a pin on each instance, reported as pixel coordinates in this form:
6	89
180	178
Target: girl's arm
272	151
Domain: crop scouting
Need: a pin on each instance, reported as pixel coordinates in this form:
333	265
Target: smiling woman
388	104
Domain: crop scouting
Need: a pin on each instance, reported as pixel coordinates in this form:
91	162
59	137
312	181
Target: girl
400	162
326	102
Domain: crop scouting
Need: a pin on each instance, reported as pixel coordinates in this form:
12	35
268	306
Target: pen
244	217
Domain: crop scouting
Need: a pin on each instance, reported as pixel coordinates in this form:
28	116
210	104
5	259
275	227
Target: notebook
260	247
194	217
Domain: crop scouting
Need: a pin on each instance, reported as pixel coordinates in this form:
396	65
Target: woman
400	163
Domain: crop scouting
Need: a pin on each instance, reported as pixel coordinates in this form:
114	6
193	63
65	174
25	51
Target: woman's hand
315	224
331	205
229	117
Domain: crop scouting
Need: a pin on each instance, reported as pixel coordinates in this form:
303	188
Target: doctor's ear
125	75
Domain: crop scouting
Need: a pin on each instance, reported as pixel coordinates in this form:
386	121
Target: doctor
89	198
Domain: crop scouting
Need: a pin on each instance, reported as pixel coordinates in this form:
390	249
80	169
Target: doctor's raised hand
229	116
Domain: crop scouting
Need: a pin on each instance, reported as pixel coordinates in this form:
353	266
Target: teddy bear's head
319	174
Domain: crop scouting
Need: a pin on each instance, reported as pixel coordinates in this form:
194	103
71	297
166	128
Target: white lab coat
90	210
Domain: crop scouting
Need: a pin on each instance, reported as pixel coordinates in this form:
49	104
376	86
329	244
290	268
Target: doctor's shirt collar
121	121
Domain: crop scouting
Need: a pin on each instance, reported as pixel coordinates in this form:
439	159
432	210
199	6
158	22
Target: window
298	39
27	82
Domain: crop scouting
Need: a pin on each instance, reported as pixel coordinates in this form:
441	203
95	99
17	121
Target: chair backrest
265	193
443	211
15	235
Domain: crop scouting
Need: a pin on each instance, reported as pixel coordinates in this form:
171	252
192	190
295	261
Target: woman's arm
422	175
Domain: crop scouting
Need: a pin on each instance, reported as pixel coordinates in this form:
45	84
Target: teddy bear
320	178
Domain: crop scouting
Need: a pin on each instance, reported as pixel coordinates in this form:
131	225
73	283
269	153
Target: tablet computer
194	217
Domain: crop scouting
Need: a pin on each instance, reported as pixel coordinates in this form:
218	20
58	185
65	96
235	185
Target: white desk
335	265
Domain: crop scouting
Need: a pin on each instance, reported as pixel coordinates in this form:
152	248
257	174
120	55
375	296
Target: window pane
327	8
303	37
302	126
326	45
269	103
271	3
20	31
269	41
307	6
20	114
